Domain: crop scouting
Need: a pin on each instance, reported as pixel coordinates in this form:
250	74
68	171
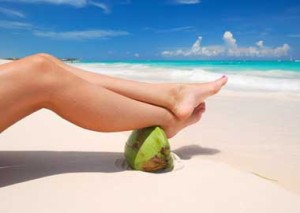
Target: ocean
272	76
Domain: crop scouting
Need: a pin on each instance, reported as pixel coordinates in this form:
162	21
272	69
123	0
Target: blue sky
151	29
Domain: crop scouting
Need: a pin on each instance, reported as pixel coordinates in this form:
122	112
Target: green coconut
148	150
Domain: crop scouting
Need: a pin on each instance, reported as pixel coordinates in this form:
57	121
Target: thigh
17	98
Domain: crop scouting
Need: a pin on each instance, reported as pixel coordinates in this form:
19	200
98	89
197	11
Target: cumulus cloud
229	49
196	50
187	1
12	13
260	44
229	40
80	35
74	3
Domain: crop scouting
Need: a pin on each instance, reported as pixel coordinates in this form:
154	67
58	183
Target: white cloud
137	55
102	6
196	50
80	35
171	30
260	44
229	49
74	3
187	1
197	45
229	40
15	25
12	13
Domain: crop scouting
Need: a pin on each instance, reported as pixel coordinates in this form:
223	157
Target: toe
217	85
222	81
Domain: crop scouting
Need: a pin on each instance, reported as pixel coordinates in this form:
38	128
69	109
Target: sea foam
259	80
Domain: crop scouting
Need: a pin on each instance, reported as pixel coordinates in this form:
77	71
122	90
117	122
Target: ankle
175	93
169	126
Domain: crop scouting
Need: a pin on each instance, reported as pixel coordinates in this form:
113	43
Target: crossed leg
180	99
35	82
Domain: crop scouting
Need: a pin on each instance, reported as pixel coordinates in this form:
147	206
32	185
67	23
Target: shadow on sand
187	152
21	166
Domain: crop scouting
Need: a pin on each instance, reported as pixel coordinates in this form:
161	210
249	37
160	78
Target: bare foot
188	96
174	127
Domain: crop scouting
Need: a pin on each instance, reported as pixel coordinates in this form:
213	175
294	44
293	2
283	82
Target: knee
42	69
42	59
44	64
39	62
46	56
45	75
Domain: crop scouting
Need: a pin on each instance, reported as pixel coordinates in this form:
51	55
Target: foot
188	96
174	127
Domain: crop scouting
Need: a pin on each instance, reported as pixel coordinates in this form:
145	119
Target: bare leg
33	83
180	99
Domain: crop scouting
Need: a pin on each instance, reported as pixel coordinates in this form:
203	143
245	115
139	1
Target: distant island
70	60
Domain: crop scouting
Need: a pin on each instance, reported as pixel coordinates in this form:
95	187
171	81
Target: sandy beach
242	157
241	57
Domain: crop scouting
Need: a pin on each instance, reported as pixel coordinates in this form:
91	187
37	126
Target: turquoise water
282	76
217	65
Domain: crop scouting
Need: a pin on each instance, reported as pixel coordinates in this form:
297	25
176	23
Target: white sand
254	132
3	61
50	165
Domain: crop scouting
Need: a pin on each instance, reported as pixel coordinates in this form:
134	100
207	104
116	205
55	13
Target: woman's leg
33	83
181	99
